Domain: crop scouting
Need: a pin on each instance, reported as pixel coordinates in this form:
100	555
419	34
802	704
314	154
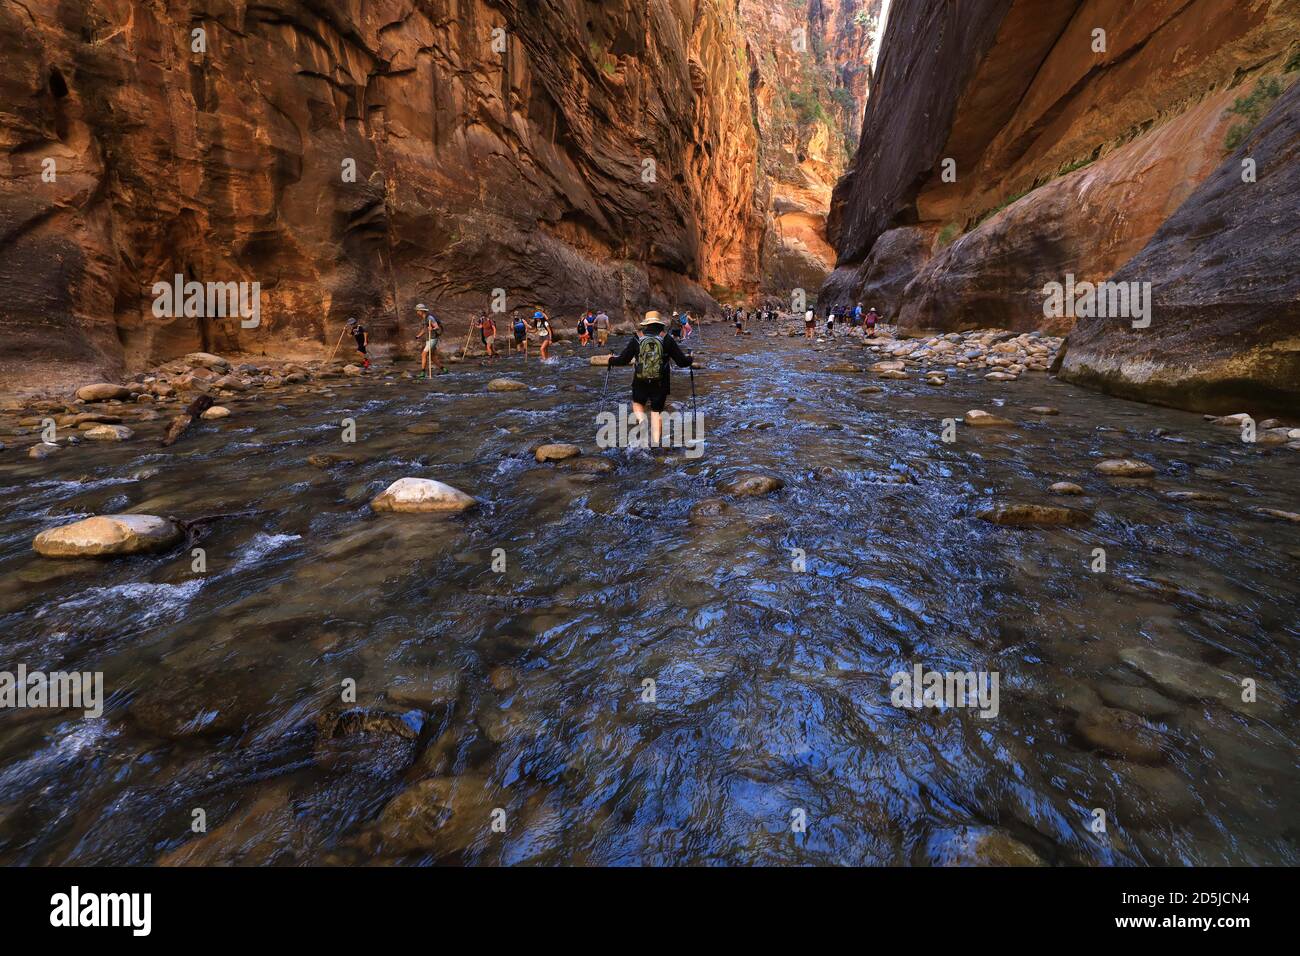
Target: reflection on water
525	691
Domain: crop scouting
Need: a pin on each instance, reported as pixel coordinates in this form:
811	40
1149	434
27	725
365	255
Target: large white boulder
417	495
108	536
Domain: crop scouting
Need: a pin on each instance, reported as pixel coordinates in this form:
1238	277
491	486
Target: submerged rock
505	385
586	466
1120	732
1191	495
108	536
1151	796
556	452
440	814
1024	515
1278	514
979	846
749	484
1139	700
42	450
329	460
1124	468
418	495
368	739
980	419
180	705
1065	488
1188	679
703	511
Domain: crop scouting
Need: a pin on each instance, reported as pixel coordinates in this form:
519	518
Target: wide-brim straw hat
651	318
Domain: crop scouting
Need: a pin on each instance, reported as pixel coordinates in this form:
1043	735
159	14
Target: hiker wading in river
650	350
362	338
430	334
542	326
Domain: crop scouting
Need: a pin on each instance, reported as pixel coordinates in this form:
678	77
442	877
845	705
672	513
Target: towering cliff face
810	77
1012	142
570	152
1225	329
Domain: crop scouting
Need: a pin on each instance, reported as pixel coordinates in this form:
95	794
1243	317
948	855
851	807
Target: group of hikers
593	327
655	344
857	319
738	316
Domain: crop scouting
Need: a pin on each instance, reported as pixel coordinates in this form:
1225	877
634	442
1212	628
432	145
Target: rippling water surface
523	691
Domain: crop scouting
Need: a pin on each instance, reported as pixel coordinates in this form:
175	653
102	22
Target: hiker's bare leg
656	427
638	411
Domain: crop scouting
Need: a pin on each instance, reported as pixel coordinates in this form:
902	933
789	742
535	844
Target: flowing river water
523	690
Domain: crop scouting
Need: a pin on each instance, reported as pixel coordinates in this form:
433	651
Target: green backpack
650	358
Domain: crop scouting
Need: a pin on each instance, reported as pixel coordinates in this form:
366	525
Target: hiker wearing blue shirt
520	329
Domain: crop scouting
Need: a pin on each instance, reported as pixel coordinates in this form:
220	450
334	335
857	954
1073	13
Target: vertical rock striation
568	152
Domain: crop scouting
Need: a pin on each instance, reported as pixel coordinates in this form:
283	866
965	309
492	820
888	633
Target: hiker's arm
627	355
676	354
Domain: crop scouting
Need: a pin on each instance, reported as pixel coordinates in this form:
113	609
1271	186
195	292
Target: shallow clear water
772	685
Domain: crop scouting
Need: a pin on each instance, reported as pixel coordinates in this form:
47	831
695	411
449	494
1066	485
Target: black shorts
652	395
520	336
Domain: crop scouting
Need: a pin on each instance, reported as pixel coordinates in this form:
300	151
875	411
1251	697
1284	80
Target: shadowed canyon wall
569	152
1009	144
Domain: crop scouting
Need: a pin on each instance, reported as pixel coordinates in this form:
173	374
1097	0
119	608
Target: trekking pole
464	349
605	387
694	407
336	345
